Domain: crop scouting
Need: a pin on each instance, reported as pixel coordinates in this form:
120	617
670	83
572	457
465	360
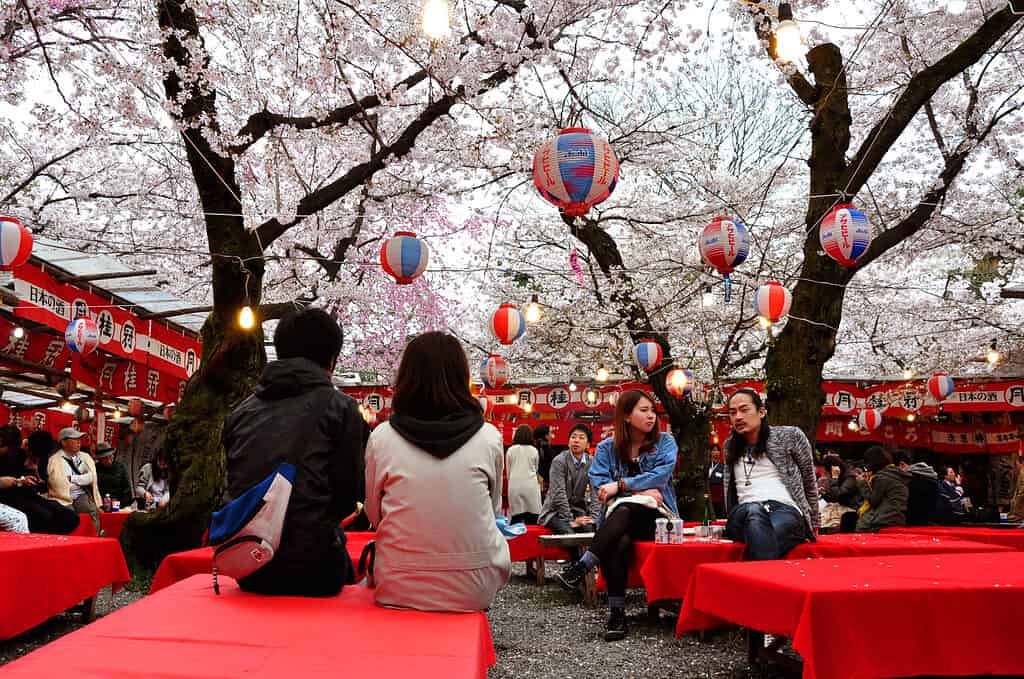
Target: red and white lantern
772	301
575	171
941	386
508	323
869	419
82	336
494	372
135	407
845	234
647	354
15	243
404	257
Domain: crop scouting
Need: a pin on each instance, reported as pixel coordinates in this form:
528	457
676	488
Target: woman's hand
581	521
607	491
149	498
653	492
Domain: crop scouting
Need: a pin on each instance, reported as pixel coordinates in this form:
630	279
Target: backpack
247	531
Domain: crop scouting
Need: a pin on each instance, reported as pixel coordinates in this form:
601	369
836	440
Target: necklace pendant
747	483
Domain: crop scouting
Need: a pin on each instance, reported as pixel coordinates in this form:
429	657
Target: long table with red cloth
186	630
526	547
1008	537
43	575
110	522
893	616
181	565
665	570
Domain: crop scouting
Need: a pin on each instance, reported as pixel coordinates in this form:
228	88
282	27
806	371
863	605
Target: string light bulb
533	312
246	318
763	322
436	25
572	386
18	332
993	356
527	408
116	414
602	373
911	417
708	298
789	45
908	373
852	425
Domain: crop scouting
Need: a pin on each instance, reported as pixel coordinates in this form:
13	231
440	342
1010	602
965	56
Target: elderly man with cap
112	475
72	476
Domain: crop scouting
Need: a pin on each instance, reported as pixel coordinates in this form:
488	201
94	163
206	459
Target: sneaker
616	627
572	576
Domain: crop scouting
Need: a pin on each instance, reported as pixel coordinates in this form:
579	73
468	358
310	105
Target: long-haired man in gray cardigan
771	494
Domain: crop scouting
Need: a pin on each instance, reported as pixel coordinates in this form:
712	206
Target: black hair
10	436
877	458
833	460
901	457
41	445
159	474
309	333
523	436
585	429
736	445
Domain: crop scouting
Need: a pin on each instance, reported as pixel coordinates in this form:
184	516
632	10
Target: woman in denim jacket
636	461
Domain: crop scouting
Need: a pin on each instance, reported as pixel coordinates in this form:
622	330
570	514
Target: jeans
769	529
613	543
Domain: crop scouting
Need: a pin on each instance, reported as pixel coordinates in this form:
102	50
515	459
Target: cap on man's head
69	433
103	450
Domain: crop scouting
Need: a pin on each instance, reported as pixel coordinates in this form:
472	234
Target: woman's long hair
433	379
159	473
736	445
523	436
623	408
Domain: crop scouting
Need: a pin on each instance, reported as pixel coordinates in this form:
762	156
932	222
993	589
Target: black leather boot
572	576
616	627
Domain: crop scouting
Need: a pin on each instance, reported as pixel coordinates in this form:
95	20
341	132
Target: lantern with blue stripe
575	171
15	243
404	257
647	354
82	336
508	323
772	301
941	386
679	382
845	234
724	244
494	372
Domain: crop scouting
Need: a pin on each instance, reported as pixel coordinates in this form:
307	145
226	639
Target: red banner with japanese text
114	377
37	347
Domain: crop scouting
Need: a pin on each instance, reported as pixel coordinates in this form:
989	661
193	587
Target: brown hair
433	378
523	436
623	408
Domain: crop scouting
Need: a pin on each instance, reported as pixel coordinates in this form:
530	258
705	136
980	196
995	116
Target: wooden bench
579	541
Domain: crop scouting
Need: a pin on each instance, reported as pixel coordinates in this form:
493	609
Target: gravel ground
545	632
538	632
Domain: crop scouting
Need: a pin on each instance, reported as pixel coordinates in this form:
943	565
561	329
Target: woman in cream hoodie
433	488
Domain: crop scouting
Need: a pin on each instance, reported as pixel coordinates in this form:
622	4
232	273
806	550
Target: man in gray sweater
569	507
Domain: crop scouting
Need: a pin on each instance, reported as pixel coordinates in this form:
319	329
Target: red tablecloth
111	522
665	570
43	575
894	616
188	631
526	547
1008	537
183	565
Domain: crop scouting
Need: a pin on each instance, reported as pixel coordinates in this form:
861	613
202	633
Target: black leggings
613	543
524	517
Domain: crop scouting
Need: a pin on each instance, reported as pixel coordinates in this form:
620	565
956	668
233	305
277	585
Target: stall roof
139	291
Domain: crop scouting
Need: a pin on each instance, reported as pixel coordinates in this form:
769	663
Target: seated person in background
297	414
25	496
922	502
112	475
842	490
951	497
889	492
152	486
72	477
40	447
433	487
524	484
568	506
771	493
716	481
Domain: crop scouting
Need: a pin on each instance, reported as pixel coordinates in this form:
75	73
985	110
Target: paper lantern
845	234
724	245
647	354
494	372
15	243
82	336
575	171
508	323
679	382
82	414
941	386
870	419
135	407
137	425
66	387
772	301
404	257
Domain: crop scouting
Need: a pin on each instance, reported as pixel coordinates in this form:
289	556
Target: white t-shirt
765	482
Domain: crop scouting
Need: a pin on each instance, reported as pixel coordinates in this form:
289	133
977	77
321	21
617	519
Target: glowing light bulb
907	373
853	426
708	298
911	417
572	386
602	374
527	407
993	355
763	322
18	332
246	318
714	439
435	20
533	312
789	45
116	414
67	405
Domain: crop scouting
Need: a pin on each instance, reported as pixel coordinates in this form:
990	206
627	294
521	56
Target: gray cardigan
567	491
790	452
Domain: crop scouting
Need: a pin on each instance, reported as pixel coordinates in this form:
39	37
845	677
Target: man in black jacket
297	415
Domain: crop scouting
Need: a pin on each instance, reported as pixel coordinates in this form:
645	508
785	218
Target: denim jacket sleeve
660	475
602	466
